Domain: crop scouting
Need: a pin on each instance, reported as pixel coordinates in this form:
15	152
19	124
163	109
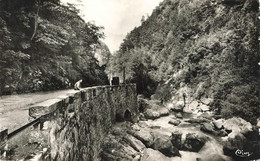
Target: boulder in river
134	143
207	127
218	124
222	133
206	101
176	139
248	150
163	111
154	155
237	124
233	143
174	122
154	111
196	120
153	105
145	136
114	150
176	106
191	106
194	142
204	108
240	144
185	124
205	115
179	115
151	114
164	145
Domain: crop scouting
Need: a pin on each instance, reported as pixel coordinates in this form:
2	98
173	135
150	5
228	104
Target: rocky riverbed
162	134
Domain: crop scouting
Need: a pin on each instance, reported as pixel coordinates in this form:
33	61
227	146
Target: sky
118	17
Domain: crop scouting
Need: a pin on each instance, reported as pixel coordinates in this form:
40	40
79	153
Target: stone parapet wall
76	124
77	131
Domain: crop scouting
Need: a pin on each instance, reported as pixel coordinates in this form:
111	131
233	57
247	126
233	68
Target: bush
242	102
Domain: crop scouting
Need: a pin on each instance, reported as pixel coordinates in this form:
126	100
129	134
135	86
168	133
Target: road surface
14	109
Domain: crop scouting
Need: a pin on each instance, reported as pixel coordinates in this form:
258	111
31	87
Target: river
212	148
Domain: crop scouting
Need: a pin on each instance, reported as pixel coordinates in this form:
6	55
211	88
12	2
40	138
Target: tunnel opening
127	115
119	118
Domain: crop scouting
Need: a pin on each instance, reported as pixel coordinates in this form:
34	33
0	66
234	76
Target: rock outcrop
218	123
154	155
163	143
207	127
174	122
192	142
145	136
137	142
237	124
152	109
243	141
196	120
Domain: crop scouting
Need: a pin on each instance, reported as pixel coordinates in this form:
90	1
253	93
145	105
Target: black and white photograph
129	80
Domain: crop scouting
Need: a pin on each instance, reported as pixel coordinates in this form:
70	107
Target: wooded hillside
201	48
46	46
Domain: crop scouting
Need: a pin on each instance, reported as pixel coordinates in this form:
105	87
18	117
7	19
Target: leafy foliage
211	47
60	53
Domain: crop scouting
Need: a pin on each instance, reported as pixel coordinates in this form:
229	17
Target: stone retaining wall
76	124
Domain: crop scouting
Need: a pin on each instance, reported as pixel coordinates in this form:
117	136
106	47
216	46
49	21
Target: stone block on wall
44	108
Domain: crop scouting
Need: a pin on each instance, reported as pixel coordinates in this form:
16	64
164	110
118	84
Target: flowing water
211	151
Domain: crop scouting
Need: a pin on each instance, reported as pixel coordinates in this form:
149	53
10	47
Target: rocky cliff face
45	46
102	54
194	50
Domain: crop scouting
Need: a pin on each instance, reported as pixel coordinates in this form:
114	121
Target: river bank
163	134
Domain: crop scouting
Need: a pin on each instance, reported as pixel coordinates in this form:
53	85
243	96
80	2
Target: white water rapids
211	151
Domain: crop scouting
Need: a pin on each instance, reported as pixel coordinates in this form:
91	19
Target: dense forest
198	49
45	46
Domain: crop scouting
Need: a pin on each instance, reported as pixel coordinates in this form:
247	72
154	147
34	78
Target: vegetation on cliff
209	47
46	46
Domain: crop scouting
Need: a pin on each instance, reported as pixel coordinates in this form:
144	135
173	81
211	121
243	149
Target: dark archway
127	115
119	118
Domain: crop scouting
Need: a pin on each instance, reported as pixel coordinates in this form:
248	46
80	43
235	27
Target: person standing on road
77	85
